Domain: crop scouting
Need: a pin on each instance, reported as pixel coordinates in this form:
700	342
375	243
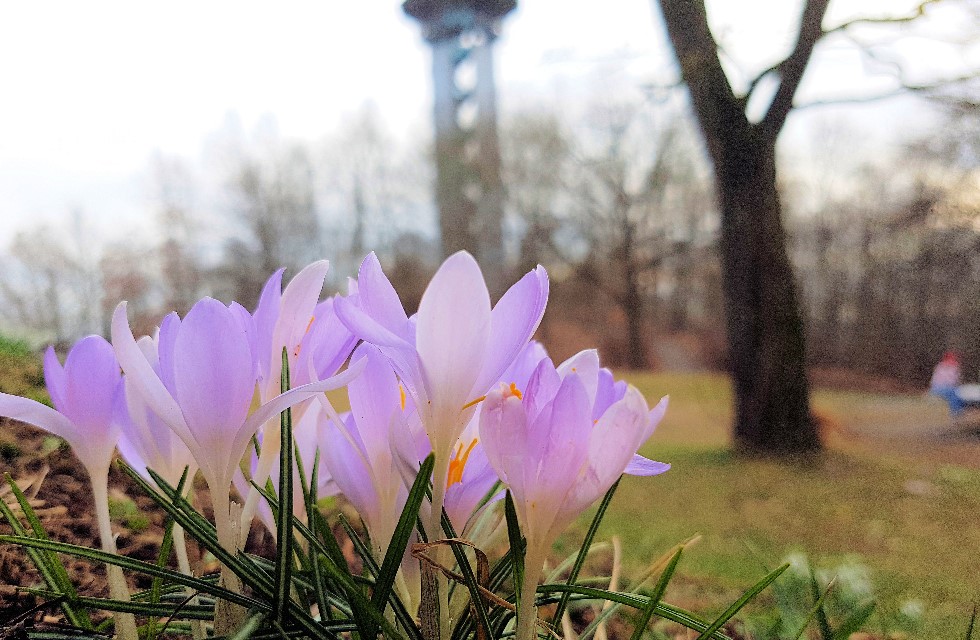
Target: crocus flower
146	442
307	435
317	344
357	451
87	396
453	350
205	387
559	445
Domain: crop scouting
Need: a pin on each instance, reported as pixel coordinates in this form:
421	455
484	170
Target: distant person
945	380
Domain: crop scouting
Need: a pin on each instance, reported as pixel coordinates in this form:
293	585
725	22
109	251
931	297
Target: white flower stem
440	476
227	616
527	613
184	564
118	589
269	454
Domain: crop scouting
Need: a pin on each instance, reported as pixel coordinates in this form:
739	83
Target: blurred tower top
448	18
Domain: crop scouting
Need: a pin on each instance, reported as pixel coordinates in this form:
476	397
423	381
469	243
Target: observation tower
469	192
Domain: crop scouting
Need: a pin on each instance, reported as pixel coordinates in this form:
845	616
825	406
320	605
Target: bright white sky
91	90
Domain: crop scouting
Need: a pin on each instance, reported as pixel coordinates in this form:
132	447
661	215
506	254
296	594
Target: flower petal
92	380
640	466
514	320
265	316
378	298
39	415
452	334
374	399
139	371
280	403
54	378
214	374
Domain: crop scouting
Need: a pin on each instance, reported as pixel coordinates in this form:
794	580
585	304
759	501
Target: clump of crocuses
461	380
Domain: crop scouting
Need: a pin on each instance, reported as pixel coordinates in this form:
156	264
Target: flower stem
228	617
118	589
184	564
440	476
527	612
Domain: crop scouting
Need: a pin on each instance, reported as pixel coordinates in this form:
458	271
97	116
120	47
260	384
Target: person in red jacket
945	380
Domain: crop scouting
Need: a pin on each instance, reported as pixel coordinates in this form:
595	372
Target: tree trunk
765	328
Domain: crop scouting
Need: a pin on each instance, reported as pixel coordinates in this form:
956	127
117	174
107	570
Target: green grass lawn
919	544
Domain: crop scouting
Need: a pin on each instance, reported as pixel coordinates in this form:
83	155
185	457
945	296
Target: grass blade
742	601
251	625
657	594
969	627
518	544
284	519
403	531
664	610
855	621
583	552
48	565
476	599
131	564
817	609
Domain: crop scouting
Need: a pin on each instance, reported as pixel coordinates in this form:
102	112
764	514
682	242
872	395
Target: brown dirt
66	512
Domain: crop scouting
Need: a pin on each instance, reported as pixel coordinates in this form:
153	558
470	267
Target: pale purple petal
166	338
514	320
378	298
503	433
295	315
54	378
139	371
520	371
39	415
452	334
541	388
374	398
92	381
214	374
265	318
586	365
617	435
655	416
640	466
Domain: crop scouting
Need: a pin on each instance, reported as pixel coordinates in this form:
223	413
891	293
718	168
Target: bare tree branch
791	70
916	13
903	89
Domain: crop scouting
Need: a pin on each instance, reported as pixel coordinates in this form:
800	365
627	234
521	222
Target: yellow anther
401	394
458	464
514	391
473	402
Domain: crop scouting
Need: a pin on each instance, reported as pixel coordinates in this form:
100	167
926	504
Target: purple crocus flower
84	393
205	388
357	451
559	445
317	344
87	394
146	442
453	350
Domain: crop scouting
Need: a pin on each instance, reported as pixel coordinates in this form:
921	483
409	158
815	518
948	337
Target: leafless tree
764	323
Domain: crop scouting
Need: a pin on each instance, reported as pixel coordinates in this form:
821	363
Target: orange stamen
401	394
514	391
473	402
305	331
458	464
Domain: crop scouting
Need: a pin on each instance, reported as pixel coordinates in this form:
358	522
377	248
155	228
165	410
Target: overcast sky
92	90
